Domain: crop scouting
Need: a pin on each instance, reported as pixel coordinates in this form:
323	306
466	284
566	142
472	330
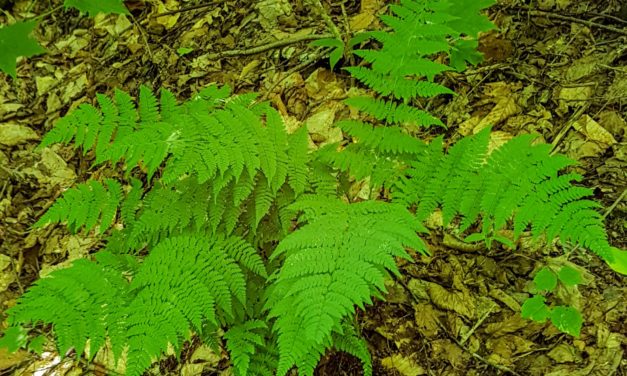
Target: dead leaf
12	134
404	365
593	131
457	301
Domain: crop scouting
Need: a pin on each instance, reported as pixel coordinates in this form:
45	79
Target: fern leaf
81	301
518	181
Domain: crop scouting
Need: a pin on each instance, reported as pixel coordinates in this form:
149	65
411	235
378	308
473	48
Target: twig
500	367
566	127
189	8
617	19
483	317
614	204
577	20
266	47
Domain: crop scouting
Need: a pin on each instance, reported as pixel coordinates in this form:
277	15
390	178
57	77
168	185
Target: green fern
337	260
399	72
518	181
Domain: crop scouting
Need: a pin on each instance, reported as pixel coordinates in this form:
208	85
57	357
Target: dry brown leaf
457	301
404	365
8	360
504	108
12	134
594	131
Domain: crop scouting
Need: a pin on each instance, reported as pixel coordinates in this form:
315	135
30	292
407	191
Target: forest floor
554	67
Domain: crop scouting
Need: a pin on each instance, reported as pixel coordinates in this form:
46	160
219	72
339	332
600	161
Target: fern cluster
217	195
239	236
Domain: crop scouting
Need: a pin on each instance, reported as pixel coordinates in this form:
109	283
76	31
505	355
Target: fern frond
518	181
85	206
242	342
181	283
82	302
334	262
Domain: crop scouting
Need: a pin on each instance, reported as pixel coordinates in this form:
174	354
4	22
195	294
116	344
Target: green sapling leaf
182	51
567	320
15	41
357	39
473	238
545	280
619	262
465	51
534	308
569	276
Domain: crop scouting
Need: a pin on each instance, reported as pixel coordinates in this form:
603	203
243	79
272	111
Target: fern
420	29
334	262
518	181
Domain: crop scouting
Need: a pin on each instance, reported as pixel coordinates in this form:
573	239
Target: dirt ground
554	67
